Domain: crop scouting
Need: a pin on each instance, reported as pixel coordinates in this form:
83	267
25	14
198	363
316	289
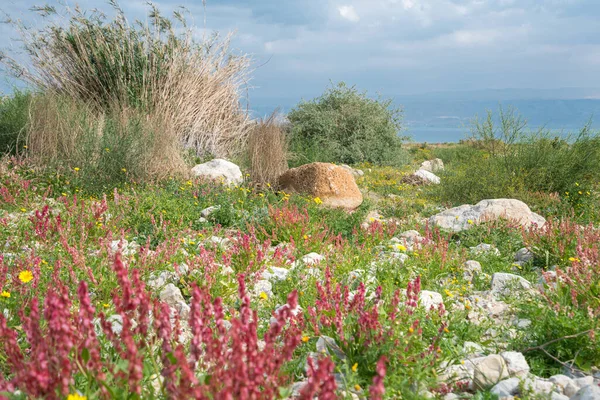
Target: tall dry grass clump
185	92
267	151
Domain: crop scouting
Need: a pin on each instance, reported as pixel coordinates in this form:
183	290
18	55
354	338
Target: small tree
344	125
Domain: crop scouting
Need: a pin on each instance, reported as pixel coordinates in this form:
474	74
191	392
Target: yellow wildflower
357	388
400	247
76	396
23	210
124	169
263	296
76	169
470	221
317	200
5	294
105	305
355	367
305	339
411	330
25	276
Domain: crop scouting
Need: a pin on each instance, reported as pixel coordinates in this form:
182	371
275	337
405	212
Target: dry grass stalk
268	151
189	92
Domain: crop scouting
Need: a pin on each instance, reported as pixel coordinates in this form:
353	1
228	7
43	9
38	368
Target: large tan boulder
334	185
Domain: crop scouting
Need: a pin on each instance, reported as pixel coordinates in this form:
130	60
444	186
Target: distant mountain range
447	116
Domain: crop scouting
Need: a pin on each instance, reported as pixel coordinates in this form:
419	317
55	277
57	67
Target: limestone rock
470	269
516	362
463	217
429	299
524	255
508	387
491	370
428	177
590	392
334	185
221	170
434	165
503	283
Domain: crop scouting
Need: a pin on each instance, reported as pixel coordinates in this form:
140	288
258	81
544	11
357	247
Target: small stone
590	392
263	286
484	248
472	348
220	170
427	177
451	396
543	385
562	382
171	294
508	387
504	283
429	299
275	273
524	255
558	396
516	362
312	258
327	345
491	370
209	210
471	268
584	381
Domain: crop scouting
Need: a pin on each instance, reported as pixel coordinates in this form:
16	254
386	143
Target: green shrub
345	126
509	161
13	121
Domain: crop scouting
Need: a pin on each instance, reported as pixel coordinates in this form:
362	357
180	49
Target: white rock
508	387
209	210
219	169
275	273
434	165
503	283
116	323
471	268
516	362
584	381
472	348
427	176
590	392
157	282
263	286
429	299
564	384
171	295
127	249
558	396
524	255
543	385
491	370
312	258
465	216
484	248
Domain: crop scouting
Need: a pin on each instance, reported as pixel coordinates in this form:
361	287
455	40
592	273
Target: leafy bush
13	121
344	125
508	161
191	90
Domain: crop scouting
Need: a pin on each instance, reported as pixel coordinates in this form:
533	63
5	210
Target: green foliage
345	126
507	161
13	121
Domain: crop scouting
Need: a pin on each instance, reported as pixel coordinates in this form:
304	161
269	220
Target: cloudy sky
398	46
